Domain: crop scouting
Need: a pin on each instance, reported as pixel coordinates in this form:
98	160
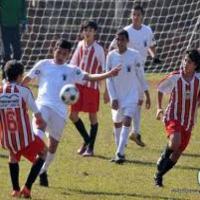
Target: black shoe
158	180
137	139
120	159
44	179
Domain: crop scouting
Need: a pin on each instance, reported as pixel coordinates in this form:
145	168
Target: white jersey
140	40
51	78
130	83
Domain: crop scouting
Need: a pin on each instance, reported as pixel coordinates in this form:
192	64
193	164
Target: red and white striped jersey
184	98
15	127
90	59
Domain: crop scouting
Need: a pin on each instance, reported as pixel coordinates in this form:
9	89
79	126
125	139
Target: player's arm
32	105
159	112
99	77
34	73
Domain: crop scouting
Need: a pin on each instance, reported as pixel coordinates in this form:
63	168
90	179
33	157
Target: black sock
35	169
14	174
82	130
165	154
93	134
167	164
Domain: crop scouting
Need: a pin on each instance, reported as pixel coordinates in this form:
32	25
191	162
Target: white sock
48	160
136	120
117	132
123	140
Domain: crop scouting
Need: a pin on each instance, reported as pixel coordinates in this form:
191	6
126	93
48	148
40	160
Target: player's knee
73	117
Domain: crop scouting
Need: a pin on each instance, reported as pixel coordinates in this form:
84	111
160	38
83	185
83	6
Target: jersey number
11	120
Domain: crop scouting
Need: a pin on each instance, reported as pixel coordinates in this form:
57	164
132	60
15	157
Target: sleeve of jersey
166	85
78	75
35	71
74	59
31	101
109	82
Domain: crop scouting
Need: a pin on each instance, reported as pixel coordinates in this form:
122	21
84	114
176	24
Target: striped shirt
184	98
90	59
15	127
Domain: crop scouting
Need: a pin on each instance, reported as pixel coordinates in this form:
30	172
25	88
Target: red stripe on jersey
5	131
20	128
27	122
187	105
14	141
94	84
8	89
170	111
90	65
180	98
16	89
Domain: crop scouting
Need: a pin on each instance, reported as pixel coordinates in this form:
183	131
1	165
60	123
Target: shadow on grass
142	196
3	156
153	164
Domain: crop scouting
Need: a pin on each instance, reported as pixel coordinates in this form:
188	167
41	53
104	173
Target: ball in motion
69	94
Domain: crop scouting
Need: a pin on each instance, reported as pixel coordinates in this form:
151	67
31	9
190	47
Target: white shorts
55	123
118	115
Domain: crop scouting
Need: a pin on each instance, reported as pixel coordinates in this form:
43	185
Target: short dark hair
13	69
194	55
89	24
124	33
138	7
64	44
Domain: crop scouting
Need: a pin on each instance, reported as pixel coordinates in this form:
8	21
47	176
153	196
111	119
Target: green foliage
74	177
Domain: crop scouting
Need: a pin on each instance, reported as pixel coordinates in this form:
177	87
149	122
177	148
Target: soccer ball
69	94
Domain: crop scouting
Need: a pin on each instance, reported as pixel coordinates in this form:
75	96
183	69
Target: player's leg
74	116
14	174
55	126
120	153
16	44
35	153
93	133
168	158
135	134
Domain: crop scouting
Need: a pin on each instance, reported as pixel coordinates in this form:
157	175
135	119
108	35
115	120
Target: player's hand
115	70
159	114
140	102
148	103
23	26
106	98
39	121
156	61
115	104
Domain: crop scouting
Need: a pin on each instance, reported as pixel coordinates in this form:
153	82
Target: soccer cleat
82	149
137	139
88	153
25	192
16	193
119	159
158	180
44	179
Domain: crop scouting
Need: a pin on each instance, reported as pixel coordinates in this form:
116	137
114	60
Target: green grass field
76	178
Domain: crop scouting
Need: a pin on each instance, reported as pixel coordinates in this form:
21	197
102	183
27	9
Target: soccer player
16	131
89	56
125	90
141	38
179	116
52	75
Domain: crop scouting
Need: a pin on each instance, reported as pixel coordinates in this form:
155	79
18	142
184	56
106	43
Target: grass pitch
76	178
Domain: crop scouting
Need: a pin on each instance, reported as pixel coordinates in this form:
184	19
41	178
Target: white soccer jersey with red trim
15	126
184	97
90	59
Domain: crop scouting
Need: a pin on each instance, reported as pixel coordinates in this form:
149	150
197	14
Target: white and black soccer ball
69	94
